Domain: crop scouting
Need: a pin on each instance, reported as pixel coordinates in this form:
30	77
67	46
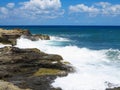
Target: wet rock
36	37
9	86
117	88
52	57
10	36
34	83
10	54
28	68
4	74
31	68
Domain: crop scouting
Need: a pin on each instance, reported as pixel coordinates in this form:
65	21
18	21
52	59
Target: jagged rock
10	54
37	37
28	68
10	36
18	65
117	88
9	86
31	57
35	83
14	33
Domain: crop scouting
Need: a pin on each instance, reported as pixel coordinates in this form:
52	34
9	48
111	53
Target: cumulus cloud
42	8
34	9
83	8
10	5
42	4
101	8
3	12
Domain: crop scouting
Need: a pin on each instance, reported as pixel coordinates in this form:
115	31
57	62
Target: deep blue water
93	37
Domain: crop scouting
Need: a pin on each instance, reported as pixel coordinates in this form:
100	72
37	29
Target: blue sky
60	12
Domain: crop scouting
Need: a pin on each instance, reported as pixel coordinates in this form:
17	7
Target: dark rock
10	36
9	86
4	74
34	83
16	55
42	37
117	88
36	37
31	68
28	68
52	57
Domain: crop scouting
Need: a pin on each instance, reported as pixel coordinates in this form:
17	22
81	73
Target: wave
95	69
56	38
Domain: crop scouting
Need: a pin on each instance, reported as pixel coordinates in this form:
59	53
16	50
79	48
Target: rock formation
116	88
28	69
10	36
19	65
9	86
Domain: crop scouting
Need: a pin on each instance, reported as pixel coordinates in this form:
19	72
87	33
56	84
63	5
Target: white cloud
35	9
42	8
10	5
42	4
3	12
101	8
83	8
103	4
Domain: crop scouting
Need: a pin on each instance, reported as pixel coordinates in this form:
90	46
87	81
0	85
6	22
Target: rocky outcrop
10	36
37	37
9	86
117	88
18	65
28	68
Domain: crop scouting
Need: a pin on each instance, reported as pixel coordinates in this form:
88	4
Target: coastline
29	68
27	73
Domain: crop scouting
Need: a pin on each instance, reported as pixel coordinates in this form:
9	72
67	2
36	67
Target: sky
60	12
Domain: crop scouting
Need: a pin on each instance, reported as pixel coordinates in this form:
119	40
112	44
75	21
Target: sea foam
56	38
95	69
2	45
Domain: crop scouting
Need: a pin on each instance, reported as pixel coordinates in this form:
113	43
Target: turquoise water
93	37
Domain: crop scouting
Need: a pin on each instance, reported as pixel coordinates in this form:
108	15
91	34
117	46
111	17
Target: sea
93	51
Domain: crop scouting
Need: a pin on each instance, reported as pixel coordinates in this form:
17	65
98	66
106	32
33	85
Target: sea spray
56	38
2	45
95	70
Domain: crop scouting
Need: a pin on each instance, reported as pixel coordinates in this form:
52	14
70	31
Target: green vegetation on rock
47	71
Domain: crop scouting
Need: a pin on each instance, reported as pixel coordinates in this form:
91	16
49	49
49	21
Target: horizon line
61	25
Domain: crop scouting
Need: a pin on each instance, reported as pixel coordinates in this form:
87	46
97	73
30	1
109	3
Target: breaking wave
95	69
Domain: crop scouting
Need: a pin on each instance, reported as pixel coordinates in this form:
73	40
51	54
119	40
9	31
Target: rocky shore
31	68
10	36
28	69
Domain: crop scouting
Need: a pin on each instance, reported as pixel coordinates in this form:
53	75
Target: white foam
56	38
94	68
2	45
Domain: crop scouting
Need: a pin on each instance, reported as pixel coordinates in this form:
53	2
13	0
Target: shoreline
24	76
29	64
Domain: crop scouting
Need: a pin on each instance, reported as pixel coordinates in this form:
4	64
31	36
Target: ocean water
94	52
